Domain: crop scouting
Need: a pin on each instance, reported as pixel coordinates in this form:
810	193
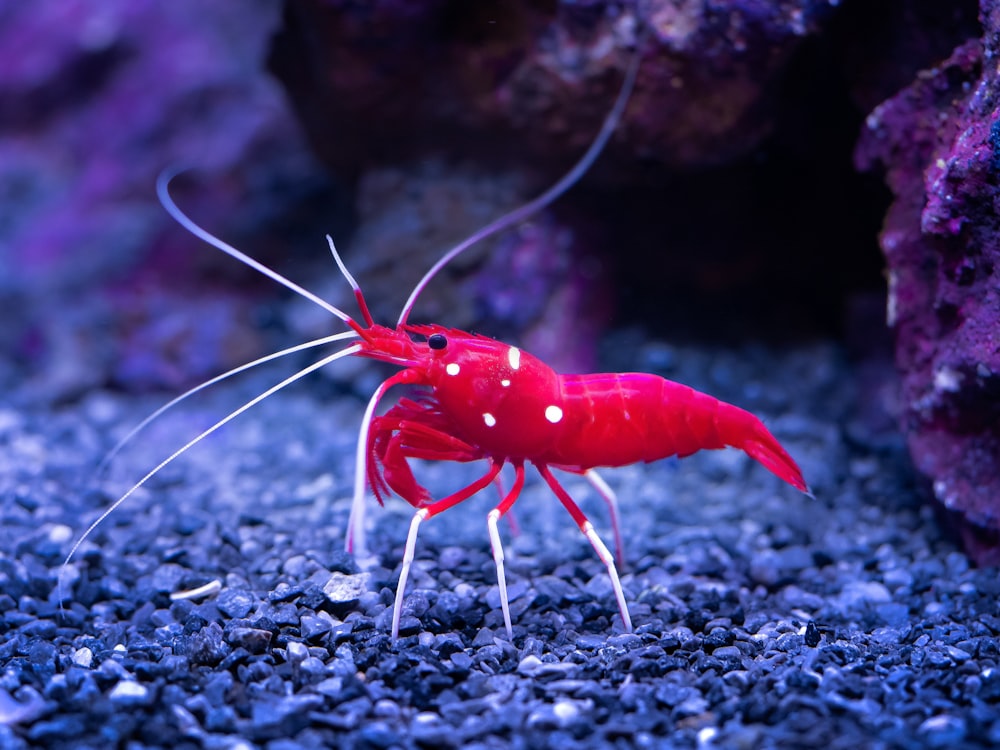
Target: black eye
437	341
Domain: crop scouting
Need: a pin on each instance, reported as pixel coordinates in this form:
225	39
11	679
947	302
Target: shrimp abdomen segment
617	419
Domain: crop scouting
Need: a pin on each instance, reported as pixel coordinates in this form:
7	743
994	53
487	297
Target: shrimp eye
437	341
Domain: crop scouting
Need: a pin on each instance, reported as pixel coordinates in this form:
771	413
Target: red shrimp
484	399
489	400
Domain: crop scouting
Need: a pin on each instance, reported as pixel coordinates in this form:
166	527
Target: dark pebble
447	644
207	647
254	640
313	597
812	635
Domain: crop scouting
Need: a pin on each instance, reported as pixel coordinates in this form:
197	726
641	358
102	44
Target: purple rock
938	141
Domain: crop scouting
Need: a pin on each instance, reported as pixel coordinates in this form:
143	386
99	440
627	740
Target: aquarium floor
764	618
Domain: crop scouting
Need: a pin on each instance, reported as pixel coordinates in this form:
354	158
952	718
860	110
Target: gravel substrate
763	618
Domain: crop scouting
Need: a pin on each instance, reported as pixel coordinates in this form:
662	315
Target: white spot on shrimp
452	368
514	357
489	419
553	413
505	383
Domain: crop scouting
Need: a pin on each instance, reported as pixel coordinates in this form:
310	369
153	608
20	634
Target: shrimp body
485	399
502	403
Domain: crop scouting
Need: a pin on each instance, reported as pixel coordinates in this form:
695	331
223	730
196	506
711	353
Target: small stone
129	692
590	642
859	593
450	558
812	635
943	730
625	640
28	707
167	577
313	666
447	644
895	614
296	652
270	712
254	640
559	715
958	654
235	603
789	642
207	646
311	626
331	686
428	729
897	577
344	591
530	665
483	638
565	711
692	706
296	566
728	653
83	657
378	734
386	709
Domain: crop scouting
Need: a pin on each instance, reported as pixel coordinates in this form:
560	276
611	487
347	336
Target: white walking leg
611	498
491	522
404	571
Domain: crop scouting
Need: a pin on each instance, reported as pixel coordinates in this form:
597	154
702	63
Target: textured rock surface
939	142
454	73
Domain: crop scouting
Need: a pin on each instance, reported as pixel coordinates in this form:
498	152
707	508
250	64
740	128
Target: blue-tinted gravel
763	618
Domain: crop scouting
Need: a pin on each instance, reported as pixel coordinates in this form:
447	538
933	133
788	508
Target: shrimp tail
741	429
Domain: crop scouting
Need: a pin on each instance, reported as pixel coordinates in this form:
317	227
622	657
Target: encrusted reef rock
376	81
939	143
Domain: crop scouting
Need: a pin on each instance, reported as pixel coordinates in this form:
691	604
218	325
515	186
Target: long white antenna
353	349
523	212
218	378
162	190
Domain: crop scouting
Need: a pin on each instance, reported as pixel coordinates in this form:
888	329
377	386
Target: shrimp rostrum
481	399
